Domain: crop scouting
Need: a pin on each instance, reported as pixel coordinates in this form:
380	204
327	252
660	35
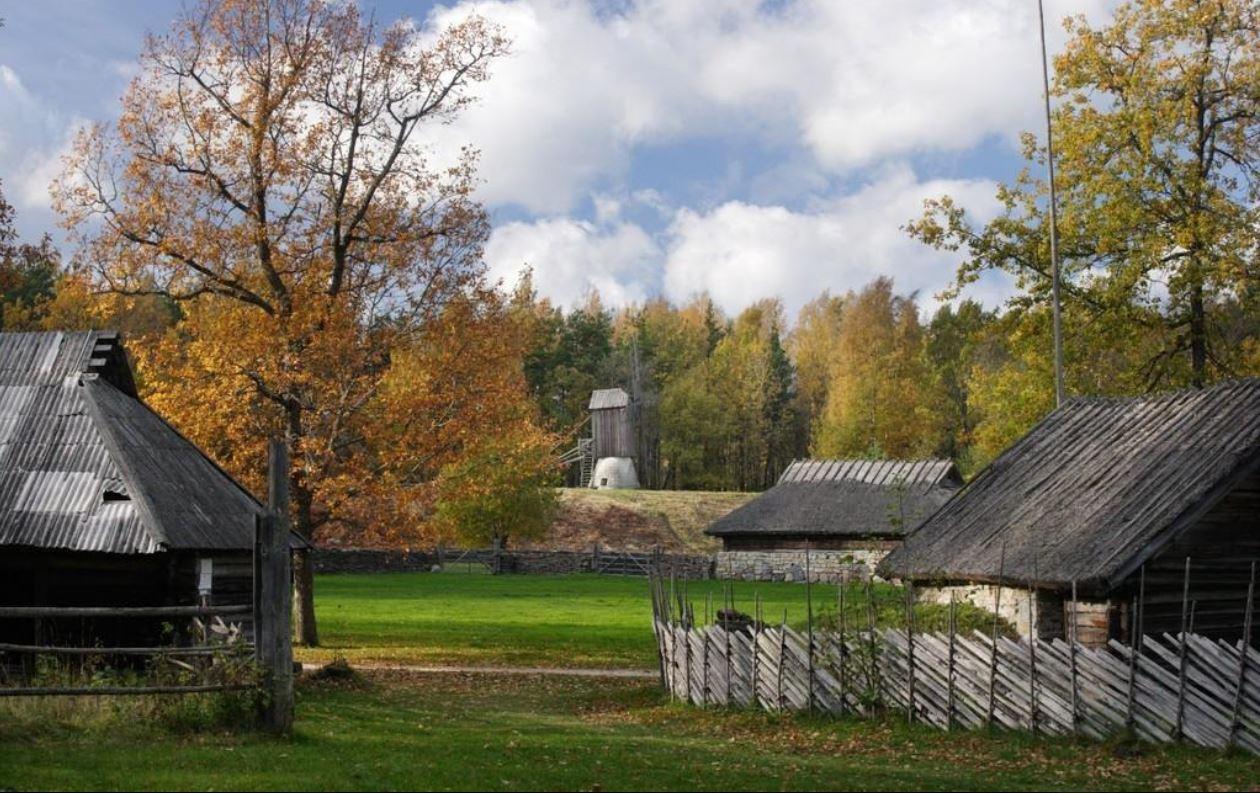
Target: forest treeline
726	402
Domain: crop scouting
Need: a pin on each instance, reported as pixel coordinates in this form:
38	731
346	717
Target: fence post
1033	616
756	659
1072	660
844	648
595	557
274	593
729	600
782	655
1181	659
873	677
949	670
910	651
687	626
1235	723
1135	644
809	618
441	556
705	637
997	609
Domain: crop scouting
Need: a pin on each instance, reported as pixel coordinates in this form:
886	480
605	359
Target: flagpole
1054	220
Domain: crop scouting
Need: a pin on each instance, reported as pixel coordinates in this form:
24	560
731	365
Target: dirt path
555	671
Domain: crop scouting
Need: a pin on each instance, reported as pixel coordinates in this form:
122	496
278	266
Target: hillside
637	519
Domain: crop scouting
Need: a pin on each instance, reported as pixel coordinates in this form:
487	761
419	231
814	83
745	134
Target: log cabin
102	502
1114	496
848	513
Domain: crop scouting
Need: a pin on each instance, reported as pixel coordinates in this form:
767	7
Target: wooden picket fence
1196	690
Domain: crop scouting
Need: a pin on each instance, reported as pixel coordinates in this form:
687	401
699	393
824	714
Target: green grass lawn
569	621
393	730
482	732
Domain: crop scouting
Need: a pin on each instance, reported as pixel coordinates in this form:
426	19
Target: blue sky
737	147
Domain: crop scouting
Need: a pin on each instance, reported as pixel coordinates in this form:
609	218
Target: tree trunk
304	600
304	628
1198	336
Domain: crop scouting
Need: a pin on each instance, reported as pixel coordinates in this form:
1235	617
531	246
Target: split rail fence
1171	687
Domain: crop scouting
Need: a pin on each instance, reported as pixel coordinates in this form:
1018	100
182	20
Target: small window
205	576
114	495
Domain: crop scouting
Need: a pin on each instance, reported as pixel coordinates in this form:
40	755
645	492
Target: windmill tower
612	440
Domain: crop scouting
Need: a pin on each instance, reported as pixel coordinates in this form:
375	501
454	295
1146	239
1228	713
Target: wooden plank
45	612
109	691
39	649
275	595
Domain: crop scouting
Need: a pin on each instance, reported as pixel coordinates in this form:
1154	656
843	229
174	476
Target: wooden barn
1113	495
849	513
102	503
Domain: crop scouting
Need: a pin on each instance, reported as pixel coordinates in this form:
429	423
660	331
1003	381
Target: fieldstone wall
1013	605
362	560
369	560
826	566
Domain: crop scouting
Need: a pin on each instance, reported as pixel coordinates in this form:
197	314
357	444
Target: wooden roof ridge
1092	490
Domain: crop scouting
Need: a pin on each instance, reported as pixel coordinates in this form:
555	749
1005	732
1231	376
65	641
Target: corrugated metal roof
1095	489
845	498
605	398
875	472
85	466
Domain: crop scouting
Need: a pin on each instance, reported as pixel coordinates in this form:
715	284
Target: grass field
399	730
568	621
478	732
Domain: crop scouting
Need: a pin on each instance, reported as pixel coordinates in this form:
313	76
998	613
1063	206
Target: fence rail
1171	687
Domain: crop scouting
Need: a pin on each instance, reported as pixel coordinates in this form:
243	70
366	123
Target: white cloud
571	257
33	137
740	252
849	84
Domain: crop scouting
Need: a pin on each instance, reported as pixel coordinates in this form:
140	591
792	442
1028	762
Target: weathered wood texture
696	664
1201	690
274	588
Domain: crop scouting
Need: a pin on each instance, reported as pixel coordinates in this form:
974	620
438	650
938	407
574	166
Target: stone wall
360	560
1012	606
368	560
789	565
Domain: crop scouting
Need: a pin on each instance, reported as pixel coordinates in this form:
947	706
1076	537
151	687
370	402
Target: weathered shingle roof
86	466
845	498
605	398
1093	491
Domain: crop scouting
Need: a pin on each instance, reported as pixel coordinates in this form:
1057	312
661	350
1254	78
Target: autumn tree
812	343
269	171
504	487
1157	135
956	344
880	398
28	273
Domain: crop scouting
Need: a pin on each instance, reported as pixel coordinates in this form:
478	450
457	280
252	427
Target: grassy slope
573	621
453	732
687	512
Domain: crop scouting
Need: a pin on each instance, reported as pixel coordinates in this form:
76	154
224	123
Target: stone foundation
1013	606
829	566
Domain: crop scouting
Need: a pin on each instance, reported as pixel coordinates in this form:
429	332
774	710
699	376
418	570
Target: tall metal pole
1054	218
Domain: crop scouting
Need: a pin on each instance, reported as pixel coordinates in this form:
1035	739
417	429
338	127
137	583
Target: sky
657	147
